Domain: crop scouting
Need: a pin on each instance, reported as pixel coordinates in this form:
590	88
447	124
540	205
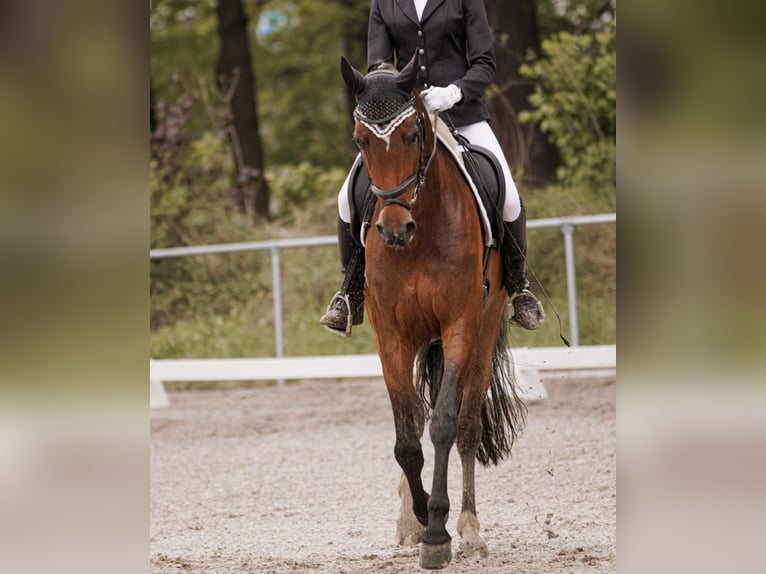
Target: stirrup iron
340	296
538	304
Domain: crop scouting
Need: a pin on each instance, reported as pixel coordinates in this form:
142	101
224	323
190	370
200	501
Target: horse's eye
359	143
413	137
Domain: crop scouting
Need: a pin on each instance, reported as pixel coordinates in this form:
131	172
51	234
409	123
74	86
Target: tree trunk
152	113
236	80
354	44
515	29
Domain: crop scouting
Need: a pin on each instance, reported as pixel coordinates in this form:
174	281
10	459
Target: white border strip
352	366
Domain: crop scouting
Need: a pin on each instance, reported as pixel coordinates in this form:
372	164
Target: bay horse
431	310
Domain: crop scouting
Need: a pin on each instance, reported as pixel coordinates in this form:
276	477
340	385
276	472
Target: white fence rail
528	362
355	366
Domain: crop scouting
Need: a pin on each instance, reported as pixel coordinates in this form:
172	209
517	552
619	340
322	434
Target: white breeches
478	134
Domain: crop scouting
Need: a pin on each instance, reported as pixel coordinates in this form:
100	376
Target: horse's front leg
436	550
408	424
409	529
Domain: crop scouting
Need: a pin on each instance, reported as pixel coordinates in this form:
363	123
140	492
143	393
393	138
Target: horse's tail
503	413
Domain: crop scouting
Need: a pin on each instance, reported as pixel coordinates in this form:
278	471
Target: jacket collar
408	7
431	6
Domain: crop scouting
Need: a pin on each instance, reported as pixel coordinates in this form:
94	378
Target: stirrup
539	309
339	296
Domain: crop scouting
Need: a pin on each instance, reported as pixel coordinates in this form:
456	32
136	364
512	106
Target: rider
457	63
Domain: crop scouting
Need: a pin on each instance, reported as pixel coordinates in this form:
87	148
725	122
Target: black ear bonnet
382	99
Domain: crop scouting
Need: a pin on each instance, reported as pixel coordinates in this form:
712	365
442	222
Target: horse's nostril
409	229
379	228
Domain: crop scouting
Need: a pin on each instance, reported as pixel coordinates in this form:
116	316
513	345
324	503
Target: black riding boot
527	309
337	319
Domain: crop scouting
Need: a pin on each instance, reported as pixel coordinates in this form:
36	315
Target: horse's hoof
411	535
435	556
473	546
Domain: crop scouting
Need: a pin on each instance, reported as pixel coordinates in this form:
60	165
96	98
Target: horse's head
394	137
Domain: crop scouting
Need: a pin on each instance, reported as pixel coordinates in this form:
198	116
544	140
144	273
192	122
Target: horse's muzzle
397	235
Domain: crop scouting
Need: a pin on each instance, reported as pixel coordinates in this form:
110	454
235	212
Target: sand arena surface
303	479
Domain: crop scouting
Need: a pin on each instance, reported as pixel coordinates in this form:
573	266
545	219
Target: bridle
391	196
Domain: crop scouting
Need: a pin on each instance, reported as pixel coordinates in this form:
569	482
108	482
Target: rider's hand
441	99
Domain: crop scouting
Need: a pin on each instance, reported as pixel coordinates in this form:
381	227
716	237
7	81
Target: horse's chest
409	292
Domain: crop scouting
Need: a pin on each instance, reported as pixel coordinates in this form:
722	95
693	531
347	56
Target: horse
436	303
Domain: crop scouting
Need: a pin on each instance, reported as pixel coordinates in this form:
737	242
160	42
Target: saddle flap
360	197
487	175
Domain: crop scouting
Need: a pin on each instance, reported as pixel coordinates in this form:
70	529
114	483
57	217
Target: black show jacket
453	43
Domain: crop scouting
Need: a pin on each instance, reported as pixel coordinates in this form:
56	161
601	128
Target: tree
236	81
354	41
515	31
575	104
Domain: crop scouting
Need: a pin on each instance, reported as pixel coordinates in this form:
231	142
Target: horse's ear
353	77
406	79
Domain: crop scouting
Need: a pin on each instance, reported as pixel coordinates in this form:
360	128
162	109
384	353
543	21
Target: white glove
441	99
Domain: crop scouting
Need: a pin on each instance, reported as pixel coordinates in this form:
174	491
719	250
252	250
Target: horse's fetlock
438	505
436	535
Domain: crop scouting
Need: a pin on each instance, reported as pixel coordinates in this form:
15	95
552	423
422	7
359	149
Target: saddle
487	175
480	164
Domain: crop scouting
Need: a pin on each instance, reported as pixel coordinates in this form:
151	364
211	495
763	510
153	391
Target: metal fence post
574	329
276	285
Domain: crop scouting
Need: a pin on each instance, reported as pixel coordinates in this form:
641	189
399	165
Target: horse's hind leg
469	435
409	530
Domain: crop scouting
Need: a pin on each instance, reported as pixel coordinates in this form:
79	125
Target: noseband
390	196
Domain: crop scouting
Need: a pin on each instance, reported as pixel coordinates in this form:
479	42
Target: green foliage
553	16
302	98
222	306
595	264
184	47
190	193
190	185
575	103
303	112
301	184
